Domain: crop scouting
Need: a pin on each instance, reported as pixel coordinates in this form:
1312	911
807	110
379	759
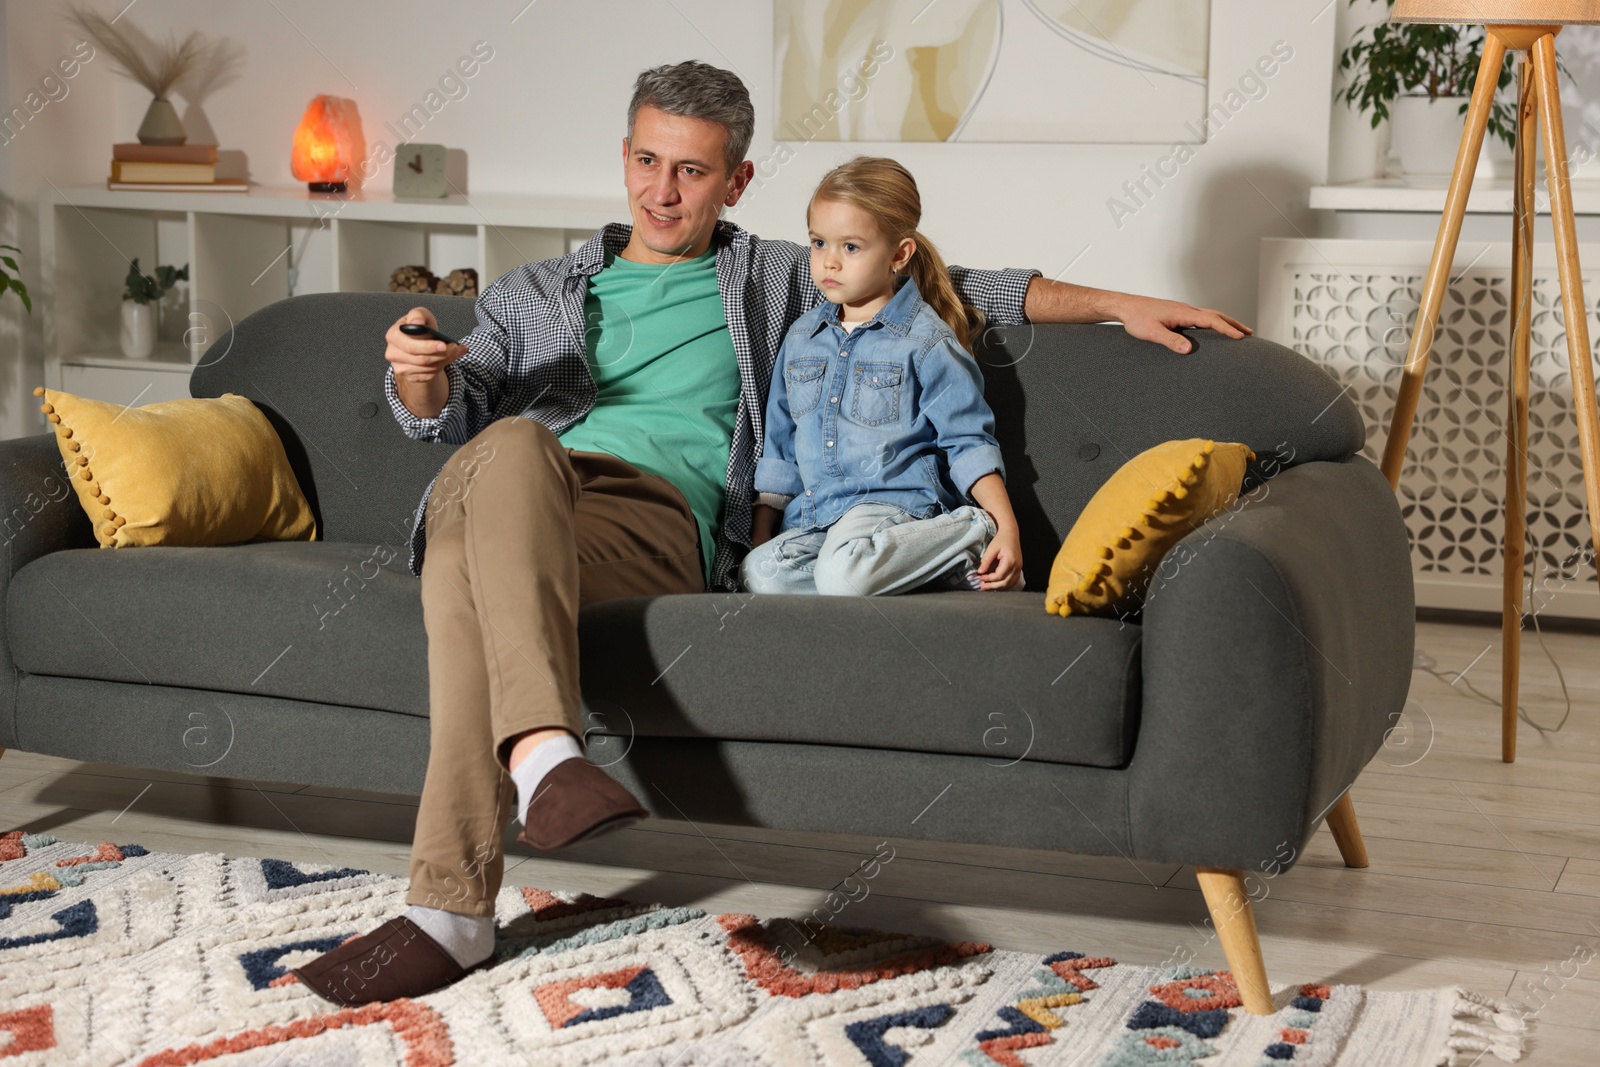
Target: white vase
138	329
1425	134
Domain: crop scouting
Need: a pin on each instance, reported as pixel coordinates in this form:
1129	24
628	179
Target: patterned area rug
110	954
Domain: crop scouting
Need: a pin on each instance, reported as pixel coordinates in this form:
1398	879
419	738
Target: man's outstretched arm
1145	317
1012	296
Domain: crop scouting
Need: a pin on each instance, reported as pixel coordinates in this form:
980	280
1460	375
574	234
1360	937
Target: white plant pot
138	329
1426	135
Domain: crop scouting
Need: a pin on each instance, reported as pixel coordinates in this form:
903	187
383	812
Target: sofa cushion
334	622
181	472
1152	502
984	674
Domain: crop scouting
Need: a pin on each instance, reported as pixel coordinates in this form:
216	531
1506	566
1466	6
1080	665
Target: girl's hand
1001	566
763	524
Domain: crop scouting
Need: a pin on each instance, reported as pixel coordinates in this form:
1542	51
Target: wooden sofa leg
1347	832
1235	923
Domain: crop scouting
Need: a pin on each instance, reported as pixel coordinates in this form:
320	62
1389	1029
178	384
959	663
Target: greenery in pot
143	288
1393	59
14	284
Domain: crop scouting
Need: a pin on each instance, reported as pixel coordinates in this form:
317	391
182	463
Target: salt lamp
326	144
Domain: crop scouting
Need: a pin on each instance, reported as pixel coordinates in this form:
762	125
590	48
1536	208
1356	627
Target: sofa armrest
1278	647
39	514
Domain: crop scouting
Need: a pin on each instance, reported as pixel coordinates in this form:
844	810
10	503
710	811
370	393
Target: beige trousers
521	532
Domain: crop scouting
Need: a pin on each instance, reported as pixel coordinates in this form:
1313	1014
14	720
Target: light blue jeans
873	550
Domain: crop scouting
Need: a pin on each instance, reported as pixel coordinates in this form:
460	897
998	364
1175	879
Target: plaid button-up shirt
526	356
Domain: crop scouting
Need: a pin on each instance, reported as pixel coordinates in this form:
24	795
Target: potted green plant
1420	77
139	300
7	282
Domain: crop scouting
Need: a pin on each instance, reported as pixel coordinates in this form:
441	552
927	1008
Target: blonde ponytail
927	269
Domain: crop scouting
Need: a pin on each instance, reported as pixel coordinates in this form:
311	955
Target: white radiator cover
1349	305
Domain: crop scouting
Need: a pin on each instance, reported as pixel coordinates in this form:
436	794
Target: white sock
468	938
538	763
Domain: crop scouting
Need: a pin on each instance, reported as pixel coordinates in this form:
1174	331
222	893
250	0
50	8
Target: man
608	407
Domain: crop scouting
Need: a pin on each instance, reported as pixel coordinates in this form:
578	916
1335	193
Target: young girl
877	432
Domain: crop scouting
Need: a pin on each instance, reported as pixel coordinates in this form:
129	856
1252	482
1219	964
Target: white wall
546	115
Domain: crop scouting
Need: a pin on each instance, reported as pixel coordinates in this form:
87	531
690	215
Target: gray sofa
1213	728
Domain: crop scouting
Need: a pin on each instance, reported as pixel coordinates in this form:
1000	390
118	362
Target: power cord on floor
1522	712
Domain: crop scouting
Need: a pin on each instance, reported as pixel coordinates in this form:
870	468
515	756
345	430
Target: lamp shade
326	144
1499	12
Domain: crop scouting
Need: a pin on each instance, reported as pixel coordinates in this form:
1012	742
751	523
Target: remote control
417	329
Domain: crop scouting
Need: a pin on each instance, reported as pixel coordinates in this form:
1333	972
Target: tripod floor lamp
1529	27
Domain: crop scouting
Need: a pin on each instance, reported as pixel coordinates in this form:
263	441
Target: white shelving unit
1426	195
248	250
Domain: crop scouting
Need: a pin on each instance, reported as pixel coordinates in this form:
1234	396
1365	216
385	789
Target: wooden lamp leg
1574	310
1516	431
1235	923
1444	252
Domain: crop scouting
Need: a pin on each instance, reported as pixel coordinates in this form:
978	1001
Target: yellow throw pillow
182	472
1157	497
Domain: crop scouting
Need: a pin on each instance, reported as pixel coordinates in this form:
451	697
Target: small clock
419	170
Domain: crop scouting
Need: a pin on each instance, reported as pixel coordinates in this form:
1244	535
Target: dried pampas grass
157	67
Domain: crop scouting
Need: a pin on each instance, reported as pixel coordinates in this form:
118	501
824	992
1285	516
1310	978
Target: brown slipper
576	801
396	960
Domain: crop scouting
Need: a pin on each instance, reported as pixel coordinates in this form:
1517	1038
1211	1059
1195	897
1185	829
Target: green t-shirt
668	379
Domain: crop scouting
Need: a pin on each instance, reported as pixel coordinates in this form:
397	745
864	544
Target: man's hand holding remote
419	362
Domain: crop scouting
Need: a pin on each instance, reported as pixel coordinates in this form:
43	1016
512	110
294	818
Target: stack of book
181	167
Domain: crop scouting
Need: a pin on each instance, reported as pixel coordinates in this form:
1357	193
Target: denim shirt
891	411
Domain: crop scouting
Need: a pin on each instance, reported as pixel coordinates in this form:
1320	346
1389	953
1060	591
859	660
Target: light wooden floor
1483	874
